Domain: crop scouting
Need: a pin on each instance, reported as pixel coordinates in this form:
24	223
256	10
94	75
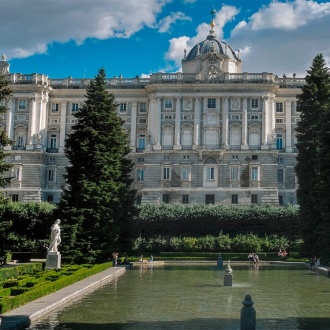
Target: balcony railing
52	150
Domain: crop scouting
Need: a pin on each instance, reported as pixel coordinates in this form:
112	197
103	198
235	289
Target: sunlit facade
212	134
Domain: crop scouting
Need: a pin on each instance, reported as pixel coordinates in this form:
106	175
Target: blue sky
75	38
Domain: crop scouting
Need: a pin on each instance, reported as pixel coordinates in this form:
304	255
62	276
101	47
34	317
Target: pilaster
225	124
63	126
197	120
244	145
133	126
177	142
288	126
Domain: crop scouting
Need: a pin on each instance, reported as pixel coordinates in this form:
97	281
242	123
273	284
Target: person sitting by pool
317	263
284	254
280	253
250	257
255	258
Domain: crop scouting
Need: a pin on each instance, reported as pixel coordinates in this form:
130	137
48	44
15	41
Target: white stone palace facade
212	134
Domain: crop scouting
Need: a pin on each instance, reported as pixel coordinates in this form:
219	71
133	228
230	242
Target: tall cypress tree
98	204
5	92
313	105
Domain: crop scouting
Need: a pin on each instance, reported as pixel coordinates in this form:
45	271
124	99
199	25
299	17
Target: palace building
212	134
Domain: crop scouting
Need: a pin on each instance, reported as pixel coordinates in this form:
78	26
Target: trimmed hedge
200	220
15	272
43	289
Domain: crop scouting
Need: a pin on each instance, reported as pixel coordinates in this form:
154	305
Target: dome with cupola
211	57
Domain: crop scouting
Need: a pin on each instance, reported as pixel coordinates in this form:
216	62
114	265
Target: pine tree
5	92
98	204
313	105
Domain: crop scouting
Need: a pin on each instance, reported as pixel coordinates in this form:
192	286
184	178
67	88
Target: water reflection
193	297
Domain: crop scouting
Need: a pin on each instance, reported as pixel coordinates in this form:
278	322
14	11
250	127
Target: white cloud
178	45
165	23
283	38
37	23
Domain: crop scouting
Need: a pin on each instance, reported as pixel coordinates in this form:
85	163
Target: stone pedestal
248	314
228	278
53	260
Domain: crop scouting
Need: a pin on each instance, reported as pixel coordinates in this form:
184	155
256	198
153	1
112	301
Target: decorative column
197	121
133	127
244	145
264	133
10	121
157	125
225	125
288	127
32	123
271	123
177	142
63	126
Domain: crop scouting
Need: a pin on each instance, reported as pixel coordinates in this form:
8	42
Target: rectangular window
167	117
141	160
254	157
122	107
210	173
74	107
50	198
254	103
14	197
185	175
53	141
142	120
185	199
280	176
51	175
209	199
235	117
166	173
55	107
140	175
143	107
254	199
20	117
234	199
186	157
280	199
280	160
22	104
166	198
234	173
254	117
279	107
235	156
54	121
17	173
254	173
211	103
166	157
51	160
168	104
279	120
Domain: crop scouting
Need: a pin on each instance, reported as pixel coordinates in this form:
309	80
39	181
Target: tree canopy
97	205
312	168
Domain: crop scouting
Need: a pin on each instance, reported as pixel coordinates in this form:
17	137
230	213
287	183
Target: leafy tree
5	92
313	150
98	204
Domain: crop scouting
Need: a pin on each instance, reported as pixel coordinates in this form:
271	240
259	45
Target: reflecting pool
192	296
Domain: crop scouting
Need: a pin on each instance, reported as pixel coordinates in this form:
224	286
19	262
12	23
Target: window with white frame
211	103
140	160
166	157
51	160
168	104
53	141
21	104
55	107
122	107
54	121
185	157
143	107
234	199
210	173
185	173
254	199
234	173
235	117
17	172
142	120
279	107
254	117
254	103
279	160
20	141
185	199
51	175
21	117
234	157
167	117
166	198
279	120
254	174
74	107
140	175
166	173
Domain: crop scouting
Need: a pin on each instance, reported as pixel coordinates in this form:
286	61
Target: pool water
192	296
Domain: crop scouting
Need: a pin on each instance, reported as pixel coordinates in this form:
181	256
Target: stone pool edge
22	316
